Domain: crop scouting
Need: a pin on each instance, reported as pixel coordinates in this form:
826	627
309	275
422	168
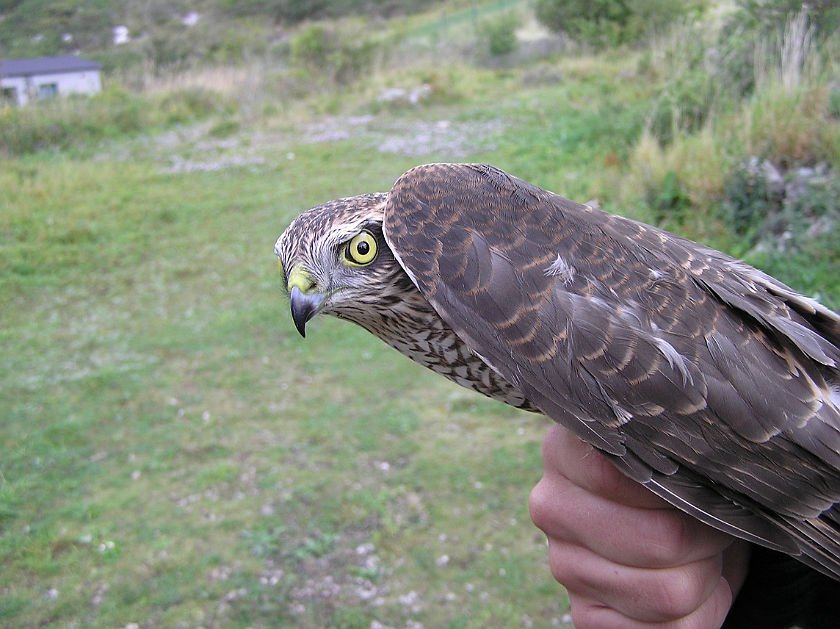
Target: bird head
335	260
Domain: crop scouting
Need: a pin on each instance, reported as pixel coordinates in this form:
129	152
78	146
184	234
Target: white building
121	35
22	80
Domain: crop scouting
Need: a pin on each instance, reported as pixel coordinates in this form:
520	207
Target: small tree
343	56
498	33
612	22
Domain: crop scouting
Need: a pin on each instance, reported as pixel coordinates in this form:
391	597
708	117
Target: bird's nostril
300	279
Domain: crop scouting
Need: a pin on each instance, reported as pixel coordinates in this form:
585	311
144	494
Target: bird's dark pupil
363	248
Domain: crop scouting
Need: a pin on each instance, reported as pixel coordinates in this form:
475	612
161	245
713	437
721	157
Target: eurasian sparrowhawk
702	378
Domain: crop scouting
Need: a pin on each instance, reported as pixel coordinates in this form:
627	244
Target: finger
736	561
643	538
590	614
652	596
564	453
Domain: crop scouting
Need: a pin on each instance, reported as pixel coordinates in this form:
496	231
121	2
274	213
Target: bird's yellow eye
361	250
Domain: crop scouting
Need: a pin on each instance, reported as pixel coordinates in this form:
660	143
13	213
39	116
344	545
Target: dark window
8	96
47	90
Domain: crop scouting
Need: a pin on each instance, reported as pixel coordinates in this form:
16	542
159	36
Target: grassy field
175	455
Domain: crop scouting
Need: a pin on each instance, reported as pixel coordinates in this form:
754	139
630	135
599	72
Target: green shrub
600	22
63	122
299	10
736	61
498	33
115	111
749	199
224	128
117	59
312	45
180	106
833	105
612	22
341	55
683	106
671	203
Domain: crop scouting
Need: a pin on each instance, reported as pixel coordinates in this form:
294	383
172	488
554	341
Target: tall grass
760	178
788	59
223	79
790	128
787	120
693	163
61	123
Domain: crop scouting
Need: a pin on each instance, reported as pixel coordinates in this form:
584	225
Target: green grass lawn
175	455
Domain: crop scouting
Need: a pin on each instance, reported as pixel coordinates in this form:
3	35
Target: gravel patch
453	139
413	138
194	149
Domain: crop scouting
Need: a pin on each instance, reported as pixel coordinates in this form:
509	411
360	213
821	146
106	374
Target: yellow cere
302	279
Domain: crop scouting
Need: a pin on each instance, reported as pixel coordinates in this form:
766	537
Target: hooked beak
304	307
306	303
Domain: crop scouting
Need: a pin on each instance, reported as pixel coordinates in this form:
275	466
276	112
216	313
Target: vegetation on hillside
39	27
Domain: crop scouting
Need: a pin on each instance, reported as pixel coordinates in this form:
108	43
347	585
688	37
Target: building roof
46	65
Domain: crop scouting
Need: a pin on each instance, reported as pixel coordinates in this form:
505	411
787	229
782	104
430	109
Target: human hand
627	558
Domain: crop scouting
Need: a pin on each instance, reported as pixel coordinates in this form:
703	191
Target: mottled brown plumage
704	379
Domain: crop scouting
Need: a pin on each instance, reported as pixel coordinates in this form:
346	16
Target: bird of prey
704	379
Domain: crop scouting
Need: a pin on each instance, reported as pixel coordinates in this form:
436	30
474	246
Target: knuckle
669	541
540	504
548	505
718	605
564	565
585	616
682	593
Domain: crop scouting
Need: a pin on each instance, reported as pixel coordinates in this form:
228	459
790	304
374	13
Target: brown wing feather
699	376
